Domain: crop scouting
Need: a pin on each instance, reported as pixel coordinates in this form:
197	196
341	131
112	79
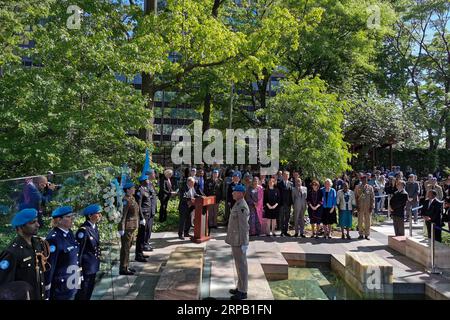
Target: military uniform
89	243
147	202
128	223
63	278
23	262
365	203
238	239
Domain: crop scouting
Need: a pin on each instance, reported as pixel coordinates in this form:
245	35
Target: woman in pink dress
260	204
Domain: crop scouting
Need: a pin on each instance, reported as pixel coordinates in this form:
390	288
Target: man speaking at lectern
238	238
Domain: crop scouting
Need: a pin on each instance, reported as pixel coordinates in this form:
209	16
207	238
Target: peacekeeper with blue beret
24	260
88	239
63	278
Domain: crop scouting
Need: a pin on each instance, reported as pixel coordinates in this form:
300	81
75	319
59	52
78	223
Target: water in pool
318	282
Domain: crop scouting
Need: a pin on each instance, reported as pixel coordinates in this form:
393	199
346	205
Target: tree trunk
150	7
207	111
263	89
447	133
391	157
149	93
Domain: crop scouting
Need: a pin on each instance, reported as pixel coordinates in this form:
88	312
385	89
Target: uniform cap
62	211
239	188
92	209
23	217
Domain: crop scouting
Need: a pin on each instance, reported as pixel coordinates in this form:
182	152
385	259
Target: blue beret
215	171
23	217
237	174
239	188
128	185
143	178
92	209
61	211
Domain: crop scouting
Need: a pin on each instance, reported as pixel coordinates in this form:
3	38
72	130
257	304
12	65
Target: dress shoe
296	235
140	259
302	235
181	237
126	273
148	248
132	270
348	237
234	291
361	237
287	234
187	235
239	296
367	237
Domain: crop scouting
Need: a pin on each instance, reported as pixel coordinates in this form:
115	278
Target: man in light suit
238	239
299	194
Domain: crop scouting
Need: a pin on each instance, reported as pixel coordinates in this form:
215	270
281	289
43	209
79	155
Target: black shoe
140	259
132	270
234	291
287	234
296	235
187	235
302	235
313	235
367	238
317	236
343	236
348	237
282	234
361	237
239	296
148	248
126	273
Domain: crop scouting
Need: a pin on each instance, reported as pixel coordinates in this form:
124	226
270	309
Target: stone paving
268	258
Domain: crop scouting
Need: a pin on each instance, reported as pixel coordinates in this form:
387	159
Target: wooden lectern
201	218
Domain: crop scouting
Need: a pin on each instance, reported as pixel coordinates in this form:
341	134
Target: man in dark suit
186	206
398	204
285	187
165	192
432	211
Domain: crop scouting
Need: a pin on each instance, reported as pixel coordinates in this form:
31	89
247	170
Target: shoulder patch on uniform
80	235
52	248
4	264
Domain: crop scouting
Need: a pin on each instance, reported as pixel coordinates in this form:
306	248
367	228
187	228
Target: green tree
311	121
422	44
69	111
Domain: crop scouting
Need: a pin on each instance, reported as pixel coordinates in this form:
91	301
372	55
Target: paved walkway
267	257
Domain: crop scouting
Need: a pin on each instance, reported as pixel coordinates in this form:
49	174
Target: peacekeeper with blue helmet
88	238
24	260
63	278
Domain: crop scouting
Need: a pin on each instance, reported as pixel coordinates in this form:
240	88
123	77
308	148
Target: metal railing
433	269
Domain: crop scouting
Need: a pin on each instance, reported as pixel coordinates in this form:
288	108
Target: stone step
272	261
398	244
418	249
259	288
182	276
